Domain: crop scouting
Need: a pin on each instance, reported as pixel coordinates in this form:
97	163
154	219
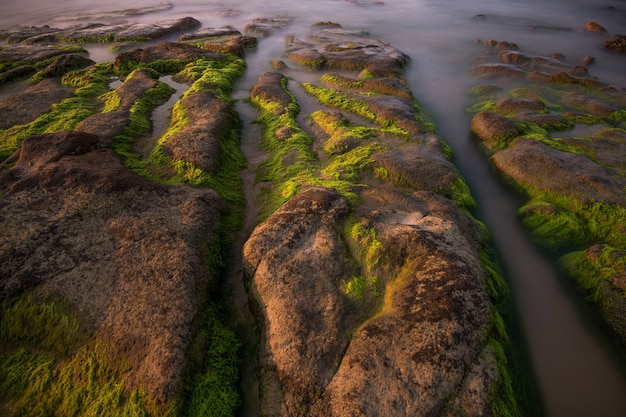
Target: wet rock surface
370	282
402	275
35	101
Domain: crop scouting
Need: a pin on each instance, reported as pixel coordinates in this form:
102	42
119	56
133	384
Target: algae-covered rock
494	130
393	274
199	141
36	100
559	139
125	252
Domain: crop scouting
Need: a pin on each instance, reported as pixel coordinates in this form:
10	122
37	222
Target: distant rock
594	27
616	43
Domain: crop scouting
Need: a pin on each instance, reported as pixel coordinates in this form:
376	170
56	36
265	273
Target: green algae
90	83
341	100
595	272
52	366
552	226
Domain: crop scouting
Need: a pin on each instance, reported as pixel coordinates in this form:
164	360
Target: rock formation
560	139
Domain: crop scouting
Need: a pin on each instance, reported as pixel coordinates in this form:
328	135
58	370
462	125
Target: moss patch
90	83
51	366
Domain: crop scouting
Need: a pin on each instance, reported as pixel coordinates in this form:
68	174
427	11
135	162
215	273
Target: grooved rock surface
126	253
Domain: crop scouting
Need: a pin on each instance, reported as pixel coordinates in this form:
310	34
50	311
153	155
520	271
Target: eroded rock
35	101
199	141
126	253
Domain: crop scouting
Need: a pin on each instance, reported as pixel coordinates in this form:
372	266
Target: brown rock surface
493	129
534	164
125	252
35	101
210	119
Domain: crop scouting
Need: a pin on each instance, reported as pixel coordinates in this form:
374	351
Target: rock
605	265
64	64
164	51
594	27
533	164
588	60
435	297
269	87
278	64
17	73
519	105
209	32
338	51
498	70
29	54
156	30
298	264
35	101
616	43
265	26
546	121
421	167
592	106
564	78
494	130
125	253
295	259
108	125
199	141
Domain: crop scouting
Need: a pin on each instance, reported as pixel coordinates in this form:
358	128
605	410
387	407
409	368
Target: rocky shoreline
374	288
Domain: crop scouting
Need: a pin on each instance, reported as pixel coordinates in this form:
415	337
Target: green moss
502	398
108	38
487	105
582	118
595	271
553	227
340	100
348	166
360	285
66	115
460	192
334	81
50	366
214	390
533	131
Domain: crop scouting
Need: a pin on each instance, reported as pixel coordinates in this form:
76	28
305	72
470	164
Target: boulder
199	141
164	51
156	30
616	43
269	87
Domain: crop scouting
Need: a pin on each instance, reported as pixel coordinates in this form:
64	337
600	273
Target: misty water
578	369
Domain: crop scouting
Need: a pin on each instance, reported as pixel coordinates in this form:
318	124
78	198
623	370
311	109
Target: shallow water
574	366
